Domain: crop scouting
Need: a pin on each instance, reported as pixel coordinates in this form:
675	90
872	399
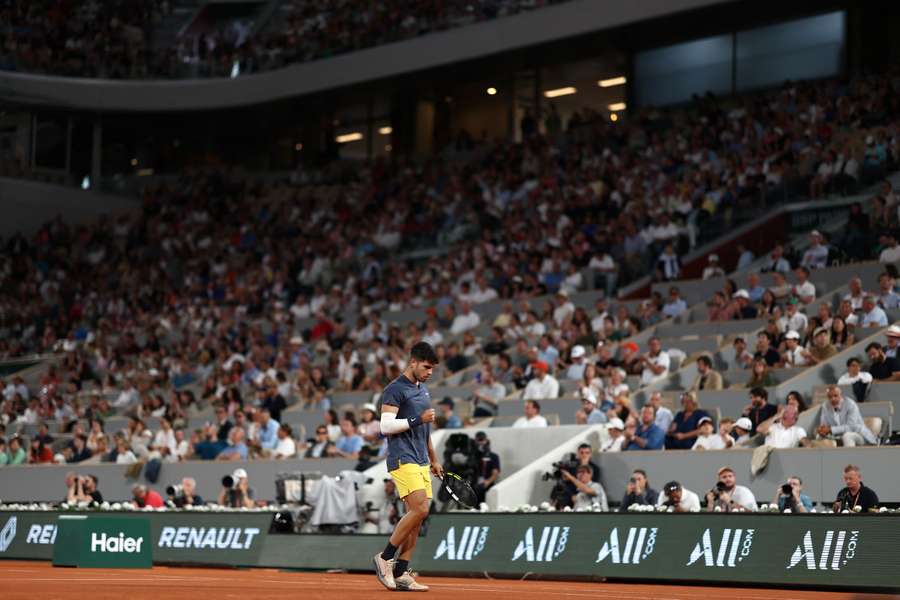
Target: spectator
488	468
349	443
754	289
745	310
450	420
239	494
793	319
40	454
795	356
590	493
890	252
728	495
855	496
776	261
761	375
707	378
893	341
675	305
646	436
745	258
796	500
286	447
686	425
713	269
741	431
187	495
370	427
759	409
616	440
664	416
887	298
857	378
589	413
391	510
576	369
821	349
706	439
816	256
543	386
532	417
742	357
16	454
466	320
841	336
840	418
678	498
784	432
881	367
146	497
319	448
803	290
655	363
638	491
856	295
765	351
236	448
124	454
668	265
873	315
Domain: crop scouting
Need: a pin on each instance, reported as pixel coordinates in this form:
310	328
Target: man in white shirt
891	251
804	288
873	315
855	373
543	385
856	294
286	447
576	369
731	496
565	308
793	319
675	305
656	363
607	271
893	341
713	269
776	261
816	256
846	313
887	298
532	416
784	432
616	440
794	355
707	440
432	335
597	321
466	319
128	396
679	498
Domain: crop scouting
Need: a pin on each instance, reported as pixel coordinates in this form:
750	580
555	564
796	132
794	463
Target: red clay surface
26	580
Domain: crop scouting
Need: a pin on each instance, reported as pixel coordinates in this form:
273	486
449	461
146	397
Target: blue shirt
349	444
653	434
410	446
804	500
454	422
240	449
268	434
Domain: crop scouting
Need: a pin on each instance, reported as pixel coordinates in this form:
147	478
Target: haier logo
8	534
115	544
551	545
471	543
832	547
222	538
734	547
638	546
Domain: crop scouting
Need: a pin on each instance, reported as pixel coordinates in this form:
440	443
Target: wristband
414	422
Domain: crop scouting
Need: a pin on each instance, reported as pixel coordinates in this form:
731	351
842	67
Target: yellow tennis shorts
411	477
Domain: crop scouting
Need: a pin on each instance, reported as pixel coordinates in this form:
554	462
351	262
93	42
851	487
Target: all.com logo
838	546
734	546
552	543
8	534
639	545
467	546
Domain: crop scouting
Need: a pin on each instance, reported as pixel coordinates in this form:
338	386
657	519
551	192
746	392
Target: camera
175	490
229	482
717	491
568	463
787	489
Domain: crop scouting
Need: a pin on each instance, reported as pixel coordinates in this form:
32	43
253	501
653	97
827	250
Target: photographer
729	496
638	491
144	497
236	491
589	492
678	498
488	466
790	496
184	494
82	488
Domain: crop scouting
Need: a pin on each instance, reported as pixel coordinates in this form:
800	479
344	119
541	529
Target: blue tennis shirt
411	446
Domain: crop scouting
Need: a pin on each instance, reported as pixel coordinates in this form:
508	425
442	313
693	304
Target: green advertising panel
102	542
855	551
177	537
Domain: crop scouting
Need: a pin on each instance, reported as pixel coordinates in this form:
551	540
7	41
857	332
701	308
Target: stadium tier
674	293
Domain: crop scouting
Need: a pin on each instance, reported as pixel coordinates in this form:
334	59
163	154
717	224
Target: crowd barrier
840	551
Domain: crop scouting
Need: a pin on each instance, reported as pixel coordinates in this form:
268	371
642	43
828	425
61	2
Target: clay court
25	580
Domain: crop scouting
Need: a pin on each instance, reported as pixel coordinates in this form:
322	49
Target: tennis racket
459	490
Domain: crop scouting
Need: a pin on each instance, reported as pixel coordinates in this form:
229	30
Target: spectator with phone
790	496
638	491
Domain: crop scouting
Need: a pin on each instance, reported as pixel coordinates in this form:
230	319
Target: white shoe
384	569
406	583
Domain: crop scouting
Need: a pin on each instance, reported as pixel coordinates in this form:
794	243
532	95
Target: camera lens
787	489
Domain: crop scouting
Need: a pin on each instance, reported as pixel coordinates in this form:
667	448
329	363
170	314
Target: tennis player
406	415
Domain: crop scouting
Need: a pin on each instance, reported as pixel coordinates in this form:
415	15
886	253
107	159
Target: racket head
459	490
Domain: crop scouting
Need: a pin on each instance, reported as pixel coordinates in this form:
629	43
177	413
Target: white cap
893	331
744	423
239	474
588	394
577	351
297	340
742	294
370	406
704	420
562	292
714	258
616	423
792	335
815	232
153	373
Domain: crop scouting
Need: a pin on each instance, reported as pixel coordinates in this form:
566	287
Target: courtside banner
828	550
232	539
103	542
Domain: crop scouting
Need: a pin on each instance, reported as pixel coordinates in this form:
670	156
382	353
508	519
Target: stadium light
616	106
298	146
564	91
492	91
613	117
612	82
349	137
386	130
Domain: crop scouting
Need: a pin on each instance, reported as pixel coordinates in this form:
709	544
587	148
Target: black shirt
275	404
865	498
648	496
885	368
180	501
771	356
758	415
489	462
224	429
